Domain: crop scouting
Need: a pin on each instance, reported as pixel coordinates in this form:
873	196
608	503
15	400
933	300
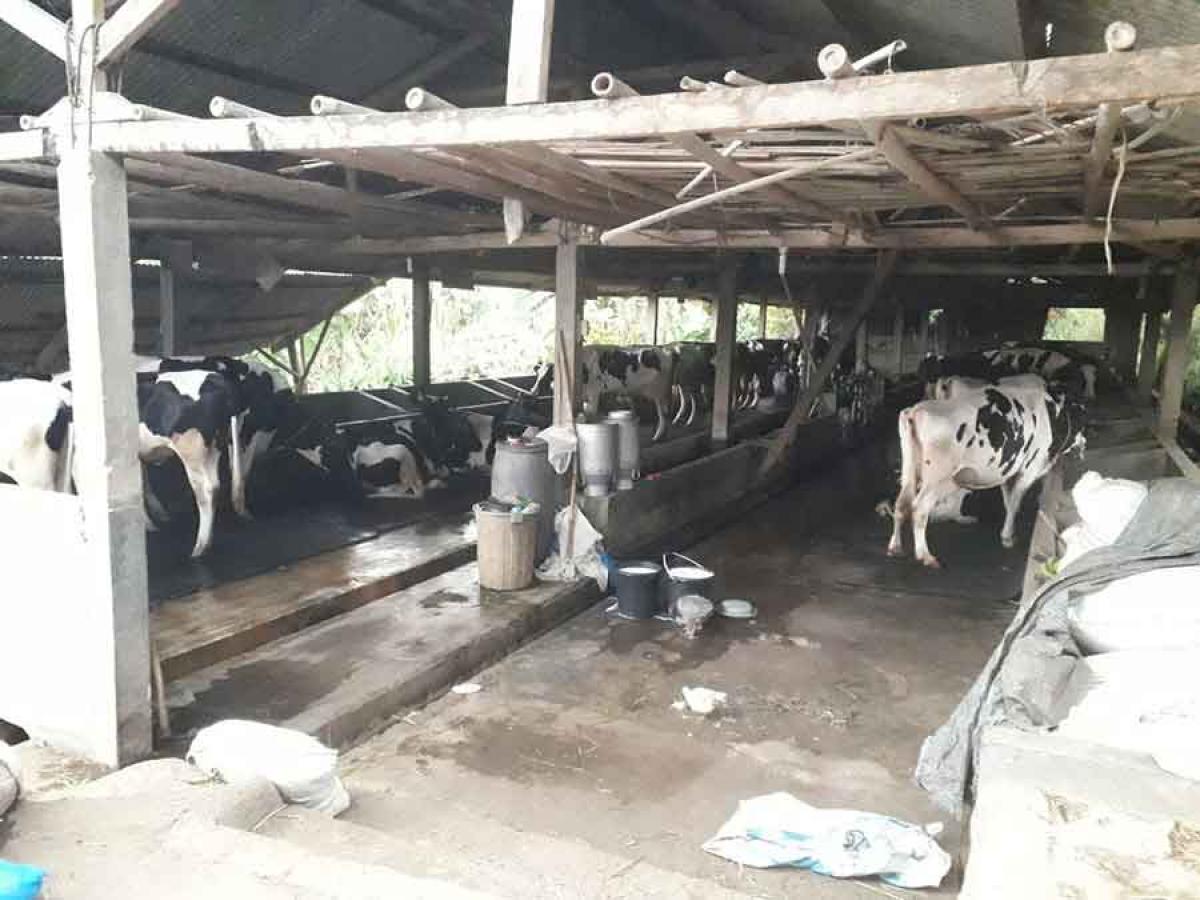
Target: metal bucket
635	584
628	447
522	470
597	457
679	581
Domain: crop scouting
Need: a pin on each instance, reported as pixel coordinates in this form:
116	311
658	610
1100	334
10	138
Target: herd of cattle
220	417
996	418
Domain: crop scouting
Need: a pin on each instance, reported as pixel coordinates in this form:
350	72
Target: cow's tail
910	453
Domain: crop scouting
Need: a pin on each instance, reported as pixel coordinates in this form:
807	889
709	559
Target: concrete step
492	857
221	622
348	675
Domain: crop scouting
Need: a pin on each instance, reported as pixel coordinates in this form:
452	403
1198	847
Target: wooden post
422	323
860	346
1121	336
1183	303
923	334
97	283
726	340
171	317
1148	362
528	79
568	321
650	318
885	264
898	339
762	317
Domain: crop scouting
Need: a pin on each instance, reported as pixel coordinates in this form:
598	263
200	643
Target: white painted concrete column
726	340
113	672
1183	304
422	323
568	325
860	347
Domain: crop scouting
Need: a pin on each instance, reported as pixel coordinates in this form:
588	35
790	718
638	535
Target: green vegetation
495	332
1074	324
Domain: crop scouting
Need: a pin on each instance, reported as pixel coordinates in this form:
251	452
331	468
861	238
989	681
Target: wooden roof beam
999	89
606	86
122	30
834	62
45	30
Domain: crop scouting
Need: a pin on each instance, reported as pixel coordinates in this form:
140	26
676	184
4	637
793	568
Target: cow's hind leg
201	463
932	491
660	407
1014	491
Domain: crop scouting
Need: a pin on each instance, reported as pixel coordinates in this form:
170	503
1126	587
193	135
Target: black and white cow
36	434
999	436
630	371
188	415
695	371
263	402
1074	373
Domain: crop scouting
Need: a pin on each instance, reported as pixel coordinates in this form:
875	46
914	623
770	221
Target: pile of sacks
1138	684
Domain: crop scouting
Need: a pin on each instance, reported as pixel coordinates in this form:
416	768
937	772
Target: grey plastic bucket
635	584
691	578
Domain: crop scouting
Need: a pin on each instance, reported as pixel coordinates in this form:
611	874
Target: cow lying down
35	434
1002	435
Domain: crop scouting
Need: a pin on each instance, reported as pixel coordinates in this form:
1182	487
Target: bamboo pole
885	264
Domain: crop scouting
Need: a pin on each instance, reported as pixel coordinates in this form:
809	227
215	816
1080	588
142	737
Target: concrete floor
569	774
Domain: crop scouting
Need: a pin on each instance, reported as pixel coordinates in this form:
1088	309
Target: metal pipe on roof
419	99
322	105
734	78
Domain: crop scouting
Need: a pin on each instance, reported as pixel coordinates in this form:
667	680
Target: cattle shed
220	176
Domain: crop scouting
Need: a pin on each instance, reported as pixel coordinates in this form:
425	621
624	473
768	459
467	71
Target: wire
1112	202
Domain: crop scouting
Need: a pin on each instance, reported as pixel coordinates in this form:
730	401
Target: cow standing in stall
998	436
647	372
36	434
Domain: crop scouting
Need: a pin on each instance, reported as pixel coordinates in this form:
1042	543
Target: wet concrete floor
572	746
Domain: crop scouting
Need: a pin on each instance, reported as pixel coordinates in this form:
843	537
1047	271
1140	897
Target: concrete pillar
650	318
1183	304
114	678
762	317
422	322
860	347
1148	361
568	325
923	335
726	339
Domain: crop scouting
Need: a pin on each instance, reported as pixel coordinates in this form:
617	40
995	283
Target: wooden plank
934	186
132	19
568	325
1183	304
220	622
422	321
45	30
528	79
1047	85
726	341
917	238
23	145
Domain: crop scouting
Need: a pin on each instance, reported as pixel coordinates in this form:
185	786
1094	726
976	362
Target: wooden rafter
45	30
997	89
132	19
